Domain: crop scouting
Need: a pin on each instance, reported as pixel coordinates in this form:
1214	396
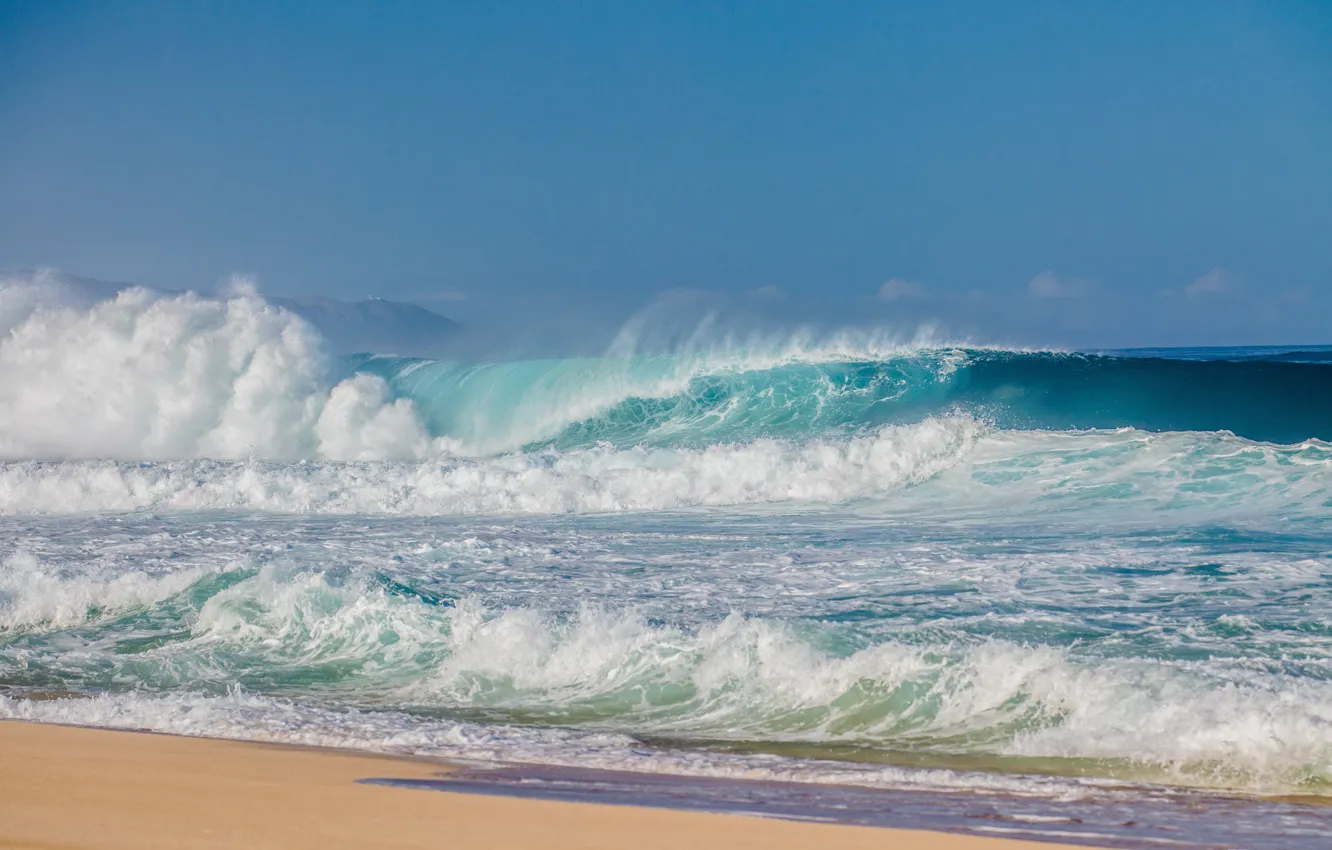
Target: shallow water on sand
1127	818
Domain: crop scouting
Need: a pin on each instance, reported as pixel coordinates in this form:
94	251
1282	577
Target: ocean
826	562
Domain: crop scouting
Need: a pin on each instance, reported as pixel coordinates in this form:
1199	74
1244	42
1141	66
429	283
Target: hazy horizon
1099	176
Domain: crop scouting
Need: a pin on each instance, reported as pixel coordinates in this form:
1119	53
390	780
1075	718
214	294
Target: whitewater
830	559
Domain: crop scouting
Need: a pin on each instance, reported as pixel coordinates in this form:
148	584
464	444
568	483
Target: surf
826	688
149	377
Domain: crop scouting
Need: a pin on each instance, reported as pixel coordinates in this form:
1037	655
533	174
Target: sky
1079	173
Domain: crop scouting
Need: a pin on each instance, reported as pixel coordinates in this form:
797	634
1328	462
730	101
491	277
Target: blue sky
1076	173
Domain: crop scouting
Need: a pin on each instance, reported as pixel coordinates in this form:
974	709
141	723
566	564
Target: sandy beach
63	787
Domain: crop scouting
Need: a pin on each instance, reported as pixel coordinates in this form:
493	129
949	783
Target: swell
1273	401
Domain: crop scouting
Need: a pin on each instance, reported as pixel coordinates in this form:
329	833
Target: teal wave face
1269	401
672	401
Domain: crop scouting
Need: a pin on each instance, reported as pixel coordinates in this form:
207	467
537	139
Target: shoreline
81	787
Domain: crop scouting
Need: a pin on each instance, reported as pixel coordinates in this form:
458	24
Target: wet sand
63	787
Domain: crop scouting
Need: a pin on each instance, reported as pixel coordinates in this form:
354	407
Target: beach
66	787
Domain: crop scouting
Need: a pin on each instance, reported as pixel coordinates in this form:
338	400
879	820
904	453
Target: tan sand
62	787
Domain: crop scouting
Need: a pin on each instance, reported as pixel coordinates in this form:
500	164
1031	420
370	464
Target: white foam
35	595
287	616
742	678
151	376
1263	732
599	479
23	293
965	467
751	679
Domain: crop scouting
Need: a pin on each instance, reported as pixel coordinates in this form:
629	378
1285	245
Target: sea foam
598	479
151	376
740	679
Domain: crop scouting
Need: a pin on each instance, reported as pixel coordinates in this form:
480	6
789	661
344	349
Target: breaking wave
150	376
738	679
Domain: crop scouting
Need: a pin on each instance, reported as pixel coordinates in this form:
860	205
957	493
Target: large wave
143	375
789	390
179	401
150	376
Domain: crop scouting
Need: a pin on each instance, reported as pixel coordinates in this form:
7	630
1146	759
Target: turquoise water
933	567
1279	396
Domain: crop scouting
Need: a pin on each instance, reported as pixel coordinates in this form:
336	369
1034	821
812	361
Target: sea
1080	596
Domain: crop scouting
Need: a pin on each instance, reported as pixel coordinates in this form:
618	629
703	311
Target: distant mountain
50	287
370	326
375	325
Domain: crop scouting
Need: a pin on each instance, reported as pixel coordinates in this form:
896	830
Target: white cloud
767	293
899	288
1216	280
444	295
683	296
1049	285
